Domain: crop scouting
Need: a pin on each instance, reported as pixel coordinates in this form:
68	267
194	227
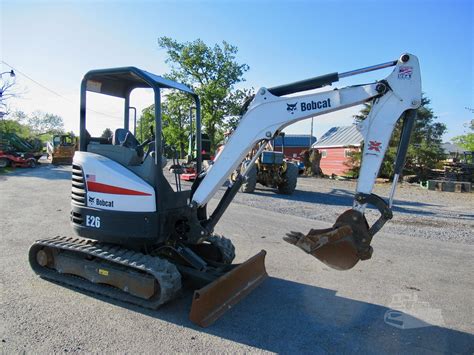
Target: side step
213	300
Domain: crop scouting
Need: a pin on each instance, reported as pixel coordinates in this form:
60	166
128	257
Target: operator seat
125	138
122	150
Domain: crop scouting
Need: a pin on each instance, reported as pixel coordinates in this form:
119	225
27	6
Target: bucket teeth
340	247
317	238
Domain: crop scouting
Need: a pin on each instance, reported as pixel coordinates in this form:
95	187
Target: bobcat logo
91	200
291	108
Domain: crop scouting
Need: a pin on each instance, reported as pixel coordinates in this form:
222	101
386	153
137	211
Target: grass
6	170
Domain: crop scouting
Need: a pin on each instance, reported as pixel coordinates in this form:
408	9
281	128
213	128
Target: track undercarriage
149	280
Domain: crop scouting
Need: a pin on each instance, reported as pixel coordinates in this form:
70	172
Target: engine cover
111	204
111	186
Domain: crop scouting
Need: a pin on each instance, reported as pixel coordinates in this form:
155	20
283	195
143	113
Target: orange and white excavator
147	239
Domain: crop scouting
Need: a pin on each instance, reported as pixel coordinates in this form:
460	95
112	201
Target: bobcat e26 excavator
139	239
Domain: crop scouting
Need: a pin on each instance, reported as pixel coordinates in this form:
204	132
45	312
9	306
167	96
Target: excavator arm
396	96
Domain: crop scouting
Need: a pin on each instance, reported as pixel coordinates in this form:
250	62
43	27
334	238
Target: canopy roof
120	82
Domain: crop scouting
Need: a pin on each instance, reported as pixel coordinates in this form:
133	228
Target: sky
53	44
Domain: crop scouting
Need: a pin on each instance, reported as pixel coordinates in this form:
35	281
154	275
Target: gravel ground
423	284
444	216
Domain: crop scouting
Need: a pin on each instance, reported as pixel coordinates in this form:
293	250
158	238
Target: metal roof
449	148
340	137
295	140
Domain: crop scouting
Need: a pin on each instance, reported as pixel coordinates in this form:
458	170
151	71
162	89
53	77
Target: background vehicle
146	237
11	142
62	148
188	170
271	169
11	158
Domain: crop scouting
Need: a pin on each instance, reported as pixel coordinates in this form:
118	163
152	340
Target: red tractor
24	160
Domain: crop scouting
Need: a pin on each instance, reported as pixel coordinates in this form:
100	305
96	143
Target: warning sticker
94	86
103	272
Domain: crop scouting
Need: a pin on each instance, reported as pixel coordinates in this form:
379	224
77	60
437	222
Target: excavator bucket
340	247
213	300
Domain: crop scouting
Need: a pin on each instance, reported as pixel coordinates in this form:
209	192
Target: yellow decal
103	272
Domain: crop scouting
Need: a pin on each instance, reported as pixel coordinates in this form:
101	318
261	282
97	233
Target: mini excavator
140	240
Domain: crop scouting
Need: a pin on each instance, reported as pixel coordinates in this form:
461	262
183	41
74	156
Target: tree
424	150
7	91
13	126
42	123
37	127
175	122
107	133
466	141
353	161
212	72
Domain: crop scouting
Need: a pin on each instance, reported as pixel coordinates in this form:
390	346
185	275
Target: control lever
149	140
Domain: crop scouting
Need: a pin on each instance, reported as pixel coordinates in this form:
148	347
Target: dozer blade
213	300
340	247
61	160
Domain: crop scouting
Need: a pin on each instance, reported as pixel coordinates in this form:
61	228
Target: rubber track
225	246
166	274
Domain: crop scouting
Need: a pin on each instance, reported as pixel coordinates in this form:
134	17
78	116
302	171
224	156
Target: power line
54	92
39	84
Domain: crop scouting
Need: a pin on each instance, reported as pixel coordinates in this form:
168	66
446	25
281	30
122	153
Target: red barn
335	146
293	144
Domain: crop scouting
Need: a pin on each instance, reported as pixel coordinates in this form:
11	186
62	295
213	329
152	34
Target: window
324	153
347	153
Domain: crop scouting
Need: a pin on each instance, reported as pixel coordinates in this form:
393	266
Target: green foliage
47	137
466	141
146	120
175	124
176	121
107	133
212	73
353	162
41	123
424	151
13	126
36	128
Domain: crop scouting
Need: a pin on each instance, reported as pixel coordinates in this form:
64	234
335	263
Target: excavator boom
396	96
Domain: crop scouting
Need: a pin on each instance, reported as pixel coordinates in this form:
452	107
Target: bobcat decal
291	108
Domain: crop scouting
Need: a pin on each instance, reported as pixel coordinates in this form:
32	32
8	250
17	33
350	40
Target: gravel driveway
413	296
